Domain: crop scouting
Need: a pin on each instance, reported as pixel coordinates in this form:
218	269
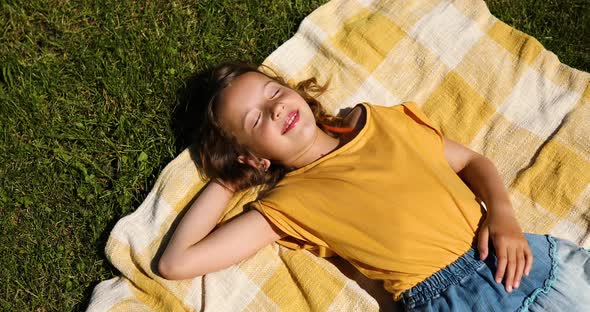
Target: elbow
166	269
171	269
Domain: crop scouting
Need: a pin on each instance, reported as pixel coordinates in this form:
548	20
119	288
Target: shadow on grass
99	246
189	113
191	103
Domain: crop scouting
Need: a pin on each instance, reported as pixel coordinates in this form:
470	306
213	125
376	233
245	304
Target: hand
512	249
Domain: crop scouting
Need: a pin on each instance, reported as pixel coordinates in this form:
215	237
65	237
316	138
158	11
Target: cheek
261	140
269	141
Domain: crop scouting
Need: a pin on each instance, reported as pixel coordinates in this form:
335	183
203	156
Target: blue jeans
558	281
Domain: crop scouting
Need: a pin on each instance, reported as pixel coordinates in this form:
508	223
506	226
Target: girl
381	187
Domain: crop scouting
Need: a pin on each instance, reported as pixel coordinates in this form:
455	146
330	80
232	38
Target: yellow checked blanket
484	83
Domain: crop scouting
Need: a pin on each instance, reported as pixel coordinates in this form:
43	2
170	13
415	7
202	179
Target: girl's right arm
194	250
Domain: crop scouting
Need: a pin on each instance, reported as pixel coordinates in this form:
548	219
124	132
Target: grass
562	26
87	92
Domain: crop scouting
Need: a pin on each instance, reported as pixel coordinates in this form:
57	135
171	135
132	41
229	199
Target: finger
529	261
511	268
482	242
520	263
501	265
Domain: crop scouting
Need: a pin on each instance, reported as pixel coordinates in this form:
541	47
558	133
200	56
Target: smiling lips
292	119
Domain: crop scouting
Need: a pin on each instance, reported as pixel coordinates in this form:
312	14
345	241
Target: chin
307	131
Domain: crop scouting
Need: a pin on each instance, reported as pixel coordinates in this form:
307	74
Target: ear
256	163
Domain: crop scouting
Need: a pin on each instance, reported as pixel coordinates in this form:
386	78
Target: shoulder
357	116
283	193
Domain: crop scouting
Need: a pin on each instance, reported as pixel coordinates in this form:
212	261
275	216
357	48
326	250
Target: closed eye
275	94
257	120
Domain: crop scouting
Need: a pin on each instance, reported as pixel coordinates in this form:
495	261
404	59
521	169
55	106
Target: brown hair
219	150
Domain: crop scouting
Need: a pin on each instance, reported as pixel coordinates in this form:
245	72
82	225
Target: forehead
243	85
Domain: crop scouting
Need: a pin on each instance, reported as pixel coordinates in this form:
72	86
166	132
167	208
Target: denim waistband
543	246
450	275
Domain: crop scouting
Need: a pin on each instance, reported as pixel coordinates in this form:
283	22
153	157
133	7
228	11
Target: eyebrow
246	115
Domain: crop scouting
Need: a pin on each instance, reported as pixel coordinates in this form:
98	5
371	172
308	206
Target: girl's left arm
511	247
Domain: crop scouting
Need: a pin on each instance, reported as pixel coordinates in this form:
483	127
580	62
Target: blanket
484	83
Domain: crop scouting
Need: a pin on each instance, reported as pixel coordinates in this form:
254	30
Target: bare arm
510	245
479	173
194	250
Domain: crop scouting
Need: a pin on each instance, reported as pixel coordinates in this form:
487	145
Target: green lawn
87	91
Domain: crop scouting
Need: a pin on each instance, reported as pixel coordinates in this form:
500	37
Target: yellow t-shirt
387	201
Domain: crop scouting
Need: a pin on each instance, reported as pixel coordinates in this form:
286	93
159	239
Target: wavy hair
219	149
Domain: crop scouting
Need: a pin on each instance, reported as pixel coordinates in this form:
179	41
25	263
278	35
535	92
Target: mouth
292	119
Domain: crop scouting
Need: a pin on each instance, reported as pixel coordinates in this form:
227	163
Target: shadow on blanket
372	287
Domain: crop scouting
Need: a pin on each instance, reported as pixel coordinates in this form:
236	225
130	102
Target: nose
277	110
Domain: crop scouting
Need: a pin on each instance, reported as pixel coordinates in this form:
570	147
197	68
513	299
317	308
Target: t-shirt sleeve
417	114
294	240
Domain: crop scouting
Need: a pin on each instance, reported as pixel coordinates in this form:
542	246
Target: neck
322	145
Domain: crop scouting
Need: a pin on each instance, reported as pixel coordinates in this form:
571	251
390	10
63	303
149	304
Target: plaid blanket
487	85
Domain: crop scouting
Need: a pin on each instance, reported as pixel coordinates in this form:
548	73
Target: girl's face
274	121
